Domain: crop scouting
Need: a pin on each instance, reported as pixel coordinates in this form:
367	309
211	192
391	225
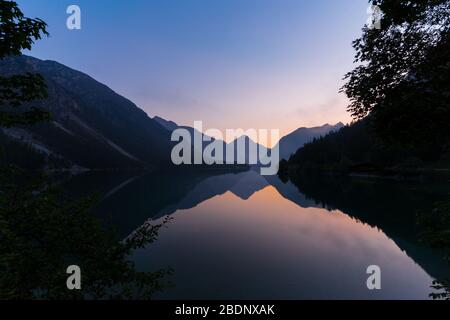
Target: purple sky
274	64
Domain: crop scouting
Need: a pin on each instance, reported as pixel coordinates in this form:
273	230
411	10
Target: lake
240	235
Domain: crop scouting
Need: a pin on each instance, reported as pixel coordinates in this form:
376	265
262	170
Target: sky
262	64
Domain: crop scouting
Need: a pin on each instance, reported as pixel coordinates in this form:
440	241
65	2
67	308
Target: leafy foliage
16	34
403	74
443	290
42	232
399	95
19	89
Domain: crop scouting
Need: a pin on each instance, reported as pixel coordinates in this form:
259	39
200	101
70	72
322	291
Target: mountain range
290	143
94	127
287	145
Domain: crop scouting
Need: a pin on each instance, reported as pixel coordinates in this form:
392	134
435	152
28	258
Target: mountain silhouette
251	147
169	125
92	126
290	143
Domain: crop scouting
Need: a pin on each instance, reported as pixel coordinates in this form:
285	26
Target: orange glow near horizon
300	245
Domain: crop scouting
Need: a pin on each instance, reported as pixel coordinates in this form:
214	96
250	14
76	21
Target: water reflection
241	235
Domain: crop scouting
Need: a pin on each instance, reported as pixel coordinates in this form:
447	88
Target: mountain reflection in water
244	236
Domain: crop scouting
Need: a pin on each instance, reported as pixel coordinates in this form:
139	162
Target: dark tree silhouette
403	74
42	231
399	95
16	34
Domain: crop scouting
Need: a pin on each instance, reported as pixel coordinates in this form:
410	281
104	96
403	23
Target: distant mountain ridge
290	143
251	147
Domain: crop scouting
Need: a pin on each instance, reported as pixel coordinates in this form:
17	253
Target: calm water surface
241	235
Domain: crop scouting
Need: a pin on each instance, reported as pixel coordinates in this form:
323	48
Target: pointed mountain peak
169	125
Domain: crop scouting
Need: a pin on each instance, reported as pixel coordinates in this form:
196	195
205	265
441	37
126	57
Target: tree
402	85
16	34
403	75
42	231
